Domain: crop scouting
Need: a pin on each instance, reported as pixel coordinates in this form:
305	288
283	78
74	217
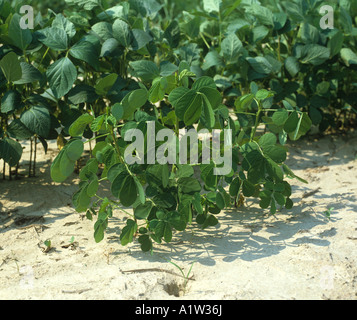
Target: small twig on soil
311	193
156	270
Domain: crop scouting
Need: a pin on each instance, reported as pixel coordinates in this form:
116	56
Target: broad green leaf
38	120
144	69
231	48
140	190
308	33
260	65
62	22
122	32
77	128
21	38
140	39
207	113
82	93
292	122
61	76
29	74
133	101
118	111
189	185
128	232
315	54
193	111
212	5
99	228
181	99
348	56
11	101
262	13
336	42
54	38
85	4
220	201
146	243
128	192
292	65
74	149
172	34
10	151
18	130
142	211
56	174
105	84
212	59
87	51
303	126
11	67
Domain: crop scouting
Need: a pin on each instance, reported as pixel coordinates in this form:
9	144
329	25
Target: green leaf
118	111
262	94
133	101
61	76
144	69
212	59
82	93
212	5
122	32
10	151
128	232
220	201
11	67
315	54
142	211
140	39
18	130
77	128
260	65
308	33
74	150
38	120
231	48
99	228
263	14
29	74
146	243
189	185
104	84
303	126
63	23
349	57
54	38
292	122
193	111
87	51
11	101
336	42
128	192
21	38
172	34
207	113
292	65
279	117
85	4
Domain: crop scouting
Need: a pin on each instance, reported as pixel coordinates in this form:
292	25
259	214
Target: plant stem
256	121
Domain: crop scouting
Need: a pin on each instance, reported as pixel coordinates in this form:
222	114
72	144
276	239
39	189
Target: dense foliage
91	70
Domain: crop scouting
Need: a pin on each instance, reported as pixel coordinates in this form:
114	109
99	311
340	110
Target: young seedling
328	212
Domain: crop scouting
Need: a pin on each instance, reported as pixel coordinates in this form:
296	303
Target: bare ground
297	254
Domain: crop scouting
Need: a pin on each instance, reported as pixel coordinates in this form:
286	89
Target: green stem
256	121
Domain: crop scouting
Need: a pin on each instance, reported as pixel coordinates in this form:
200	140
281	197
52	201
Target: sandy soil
250	255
